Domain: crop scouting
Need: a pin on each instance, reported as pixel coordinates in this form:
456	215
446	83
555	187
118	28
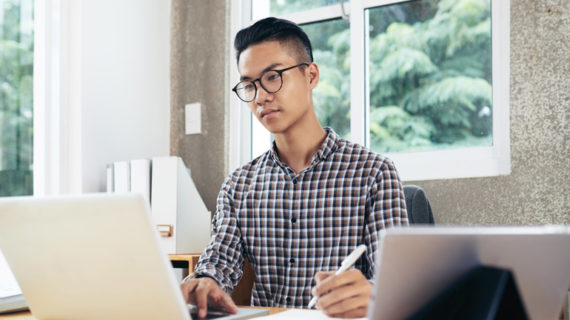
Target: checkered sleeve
386	207
223	258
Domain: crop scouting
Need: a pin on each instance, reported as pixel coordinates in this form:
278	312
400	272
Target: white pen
345	265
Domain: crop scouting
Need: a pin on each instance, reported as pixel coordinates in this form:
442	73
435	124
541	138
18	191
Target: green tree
429	73
16	105
331	51
280	7
436	70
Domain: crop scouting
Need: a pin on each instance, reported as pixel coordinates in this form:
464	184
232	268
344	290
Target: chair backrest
417	203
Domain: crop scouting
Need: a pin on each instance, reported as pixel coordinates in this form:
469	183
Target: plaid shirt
289	226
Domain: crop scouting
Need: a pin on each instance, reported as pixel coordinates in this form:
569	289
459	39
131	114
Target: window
331	48
16	109
282	7
16	106
423	81
429	76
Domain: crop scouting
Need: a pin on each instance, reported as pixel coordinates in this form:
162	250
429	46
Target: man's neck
297	147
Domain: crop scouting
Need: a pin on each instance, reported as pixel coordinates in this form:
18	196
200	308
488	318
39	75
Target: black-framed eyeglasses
271	81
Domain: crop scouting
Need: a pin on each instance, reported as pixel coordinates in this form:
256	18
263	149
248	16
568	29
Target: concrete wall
198	74
537	190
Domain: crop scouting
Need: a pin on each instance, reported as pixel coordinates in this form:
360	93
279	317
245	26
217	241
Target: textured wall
537	190
198	74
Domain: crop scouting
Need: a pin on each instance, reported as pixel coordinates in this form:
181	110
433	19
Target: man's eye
249	87
272	77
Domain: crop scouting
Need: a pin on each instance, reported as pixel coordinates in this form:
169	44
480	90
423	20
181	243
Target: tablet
415	264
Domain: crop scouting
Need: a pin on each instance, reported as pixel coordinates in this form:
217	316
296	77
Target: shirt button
293	220
288	299
292	260
295	181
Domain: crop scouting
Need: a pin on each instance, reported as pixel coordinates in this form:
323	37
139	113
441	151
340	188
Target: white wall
125	84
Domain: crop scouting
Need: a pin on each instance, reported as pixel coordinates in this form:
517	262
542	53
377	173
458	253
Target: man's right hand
205	291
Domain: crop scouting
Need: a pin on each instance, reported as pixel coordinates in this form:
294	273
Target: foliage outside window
430	75
281	7
429	68
331	51
16	105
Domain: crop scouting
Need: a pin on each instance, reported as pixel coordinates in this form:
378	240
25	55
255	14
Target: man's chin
273	128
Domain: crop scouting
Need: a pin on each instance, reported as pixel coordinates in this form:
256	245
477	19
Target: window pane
430	75
280	7
331	52
16	65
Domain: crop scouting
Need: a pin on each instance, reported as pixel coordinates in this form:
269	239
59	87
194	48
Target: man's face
280	111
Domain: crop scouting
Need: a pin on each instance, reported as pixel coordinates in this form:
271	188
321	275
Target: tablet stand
483	293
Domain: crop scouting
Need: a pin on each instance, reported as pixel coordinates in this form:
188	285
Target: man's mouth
264	112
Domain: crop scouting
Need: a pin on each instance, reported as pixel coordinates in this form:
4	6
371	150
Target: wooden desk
187	261
184	261
26	315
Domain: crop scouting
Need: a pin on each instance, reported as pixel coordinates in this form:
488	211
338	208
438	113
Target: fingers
201	299
344	295
354	313
322	275
187	287
328	280
205	291
344	299
222	300
230	305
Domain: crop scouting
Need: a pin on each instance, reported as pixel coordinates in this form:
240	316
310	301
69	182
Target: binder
110	178
177	208
140	177
121	177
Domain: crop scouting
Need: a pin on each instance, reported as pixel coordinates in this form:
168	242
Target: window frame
57	97
413	166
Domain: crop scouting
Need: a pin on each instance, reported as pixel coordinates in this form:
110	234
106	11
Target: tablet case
482	293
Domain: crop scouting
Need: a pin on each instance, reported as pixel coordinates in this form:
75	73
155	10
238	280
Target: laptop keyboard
212	313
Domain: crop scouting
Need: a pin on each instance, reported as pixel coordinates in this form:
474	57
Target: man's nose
262	95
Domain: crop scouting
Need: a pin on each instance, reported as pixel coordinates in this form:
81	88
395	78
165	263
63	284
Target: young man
300	208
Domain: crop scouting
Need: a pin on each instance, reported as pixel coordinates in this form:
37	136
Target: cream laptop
416	264
91	257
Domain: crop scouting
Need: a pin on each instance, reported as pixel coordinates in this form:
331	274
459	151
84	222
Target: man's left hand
345	295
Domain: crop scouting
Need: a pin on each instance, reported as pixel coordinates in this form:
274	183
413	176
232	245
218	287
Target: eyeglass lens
270	81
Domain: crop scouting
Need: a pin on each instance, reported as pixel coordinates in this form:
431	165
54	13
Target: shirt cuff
198	275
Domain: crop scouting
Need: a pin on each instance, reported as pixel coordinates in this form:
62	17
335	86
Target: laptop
11	297
91	257
416	264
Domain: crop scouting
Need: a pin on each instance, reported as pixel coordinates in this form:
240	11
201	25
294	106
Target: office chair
417	203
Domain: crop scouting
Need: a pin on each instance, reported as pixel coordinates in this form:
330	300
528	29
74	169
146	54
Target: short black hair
281	30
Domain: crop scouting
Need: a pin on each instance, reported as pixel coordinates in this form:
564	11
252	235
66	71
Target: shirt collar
327	147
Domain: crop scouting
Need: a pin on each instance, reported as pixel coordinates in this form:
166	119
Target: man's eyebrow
269	67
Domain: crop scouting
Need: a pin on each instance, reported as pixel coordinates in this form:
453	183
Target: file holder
483	293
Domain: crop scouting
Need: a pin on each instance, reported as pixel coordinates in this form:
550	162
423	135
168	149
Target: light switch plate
193	118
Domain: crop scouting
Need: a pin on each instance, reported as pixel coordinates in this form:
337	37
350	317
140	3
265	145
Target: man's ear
313	73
